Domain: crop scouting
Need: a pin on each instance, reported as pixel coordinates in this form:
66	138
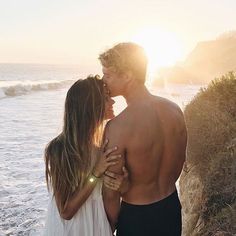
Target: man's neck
135	92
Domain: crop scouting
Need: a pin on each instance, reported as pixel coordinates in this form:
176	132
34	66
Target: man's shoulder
119	124
164	102
116	132
118	121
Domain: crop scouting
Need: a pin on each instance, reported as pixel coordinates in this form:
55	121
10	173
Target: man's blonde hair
126	57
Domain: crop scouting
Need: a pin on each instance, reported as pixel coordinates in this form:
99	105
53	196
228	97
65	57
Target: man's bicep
115	140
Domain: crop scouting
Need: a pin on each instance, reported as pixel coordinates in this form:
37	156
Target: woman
75	163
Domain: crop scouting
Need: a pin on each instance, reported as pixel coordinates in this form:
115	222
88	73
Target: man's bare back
152	137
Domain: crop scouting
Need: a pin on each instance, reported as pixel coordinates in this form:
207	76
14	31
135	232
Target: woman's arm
81	195
78	198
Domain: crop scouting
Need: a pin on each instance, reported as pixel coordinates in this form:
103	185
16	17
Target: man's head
122	64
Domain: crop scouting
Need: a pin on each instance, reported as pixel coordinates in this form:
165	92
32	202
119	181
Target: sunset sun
162	48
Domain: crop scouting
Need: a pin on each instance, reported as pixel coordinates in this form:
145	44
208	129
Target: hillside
208	60
208	182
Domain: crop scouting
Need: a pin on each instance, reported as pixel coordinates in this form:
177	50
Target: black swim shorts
162	218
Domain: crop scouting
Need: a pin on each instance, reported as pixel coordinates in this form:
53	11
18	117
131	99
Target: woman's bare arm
79	197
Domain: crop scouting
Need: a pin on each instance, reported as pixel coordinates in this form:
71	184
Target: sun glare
162	48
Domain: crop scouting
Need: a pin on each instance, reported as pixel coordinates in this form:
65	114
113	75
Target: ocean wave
16	88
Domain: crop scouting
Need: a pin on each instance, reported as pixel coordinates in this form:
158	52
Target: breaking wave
16	88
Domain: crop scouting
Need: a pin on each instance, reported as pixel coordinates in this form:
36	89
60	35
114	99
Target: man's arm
183	145
111	198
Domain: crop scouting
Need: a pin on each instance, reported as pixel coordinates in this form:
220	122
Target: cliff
209	59
208	182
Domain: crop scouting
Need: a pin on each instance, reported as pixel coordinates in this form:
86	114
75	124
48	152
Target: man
151	136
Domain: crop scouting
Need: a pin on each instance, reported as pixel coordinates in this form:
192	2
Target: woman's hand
117	182
105	160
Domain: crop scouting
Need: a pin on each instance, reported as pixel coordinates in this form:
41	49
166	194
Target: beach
31	105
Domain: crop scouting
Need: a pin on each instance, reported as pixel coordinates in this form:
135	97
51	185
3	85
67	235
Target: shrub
211	152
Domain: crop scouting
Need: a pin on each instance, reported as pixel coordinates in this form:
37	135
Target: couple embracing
119	176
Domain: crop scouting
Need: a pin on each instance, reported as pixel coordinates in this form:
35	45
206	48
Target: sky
76	31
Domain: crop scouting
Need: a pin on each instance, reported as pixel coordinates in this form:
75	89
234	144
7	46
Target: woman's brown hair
68	156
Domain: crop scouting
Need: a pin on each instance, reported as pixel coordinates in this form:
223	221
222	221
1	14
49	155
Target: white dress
90	220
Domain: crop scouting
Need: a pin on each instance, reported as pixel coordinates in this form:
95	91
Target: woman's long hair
68	156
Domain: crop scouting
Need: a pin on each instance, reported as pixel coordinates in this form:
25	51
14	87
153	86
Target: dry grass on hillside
211	159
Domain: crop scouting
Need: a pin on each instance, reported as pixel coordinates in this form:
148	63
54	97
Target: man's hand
117	182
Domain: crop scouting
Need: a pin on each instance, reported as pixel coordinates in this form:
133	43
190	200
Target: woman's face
109	113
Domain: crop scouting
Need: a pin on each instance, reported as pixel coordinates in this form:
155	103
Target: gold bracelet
92	178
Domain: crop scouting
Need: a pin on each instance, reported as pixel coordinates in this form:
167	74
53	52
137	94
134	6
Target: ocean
31	114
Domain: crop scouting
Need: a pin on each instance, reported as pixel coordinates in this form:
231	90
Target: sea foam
16	88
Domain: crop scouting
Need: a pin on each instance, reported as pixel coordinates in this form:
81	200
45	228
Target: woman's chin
110	116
